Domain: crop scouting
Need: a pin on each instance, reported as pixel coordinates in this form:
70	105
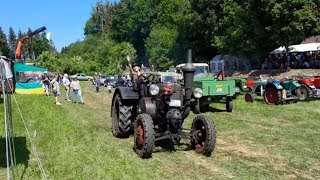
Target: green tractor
213	88
274	91
240	85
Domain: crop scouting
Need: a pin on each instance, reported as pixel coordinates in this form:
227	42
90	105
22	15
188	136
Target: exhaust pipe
188	74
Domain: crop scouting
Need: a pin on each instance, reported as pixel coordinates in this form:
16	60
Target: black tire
121	118
204	144
144	136
309	91
272	96
198	108
229	104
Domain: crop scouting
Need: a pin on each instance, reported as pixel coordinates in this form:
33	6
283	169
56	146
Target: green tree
12	41
132	20
100	20
98	53
254	28
4	47
49	60
160	46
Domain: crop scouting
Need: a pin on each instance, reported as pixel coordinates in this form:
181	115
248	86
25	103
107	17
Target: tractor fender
260	88
126	93
295	84
274	85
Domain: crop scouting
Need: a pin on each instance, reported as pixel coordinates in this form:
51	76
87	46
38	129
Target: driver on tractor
135	73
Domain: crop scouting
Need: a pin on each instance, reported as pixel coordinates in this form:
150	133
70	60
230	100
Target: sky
64	19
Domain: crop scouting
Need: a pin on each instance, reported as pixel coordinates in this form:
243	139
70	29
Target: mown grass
256	141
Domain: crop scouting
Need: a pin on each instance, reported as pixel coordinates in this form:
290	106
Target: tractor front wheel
144	136
248	97
272	96
204	135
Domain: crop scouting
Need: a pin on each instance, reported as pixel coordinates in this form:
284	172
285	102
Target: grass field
74	141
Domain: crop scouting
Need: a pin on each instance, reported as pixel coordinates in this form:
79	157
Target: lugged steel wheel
272	96
144	136
248	97
204	138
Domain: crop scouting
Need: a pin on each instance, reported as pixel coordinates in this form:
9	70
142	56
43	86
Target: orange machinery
23	39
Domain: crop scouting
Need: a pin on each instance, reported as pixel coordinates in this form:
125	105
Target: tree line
31	49
158	33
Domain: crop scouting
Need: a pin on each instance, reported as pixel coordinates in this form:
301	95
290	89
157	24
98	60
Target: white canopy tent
298	48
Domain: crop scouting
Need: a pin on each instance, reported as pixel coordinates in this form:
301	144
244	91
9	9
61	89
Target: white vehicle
201	69
83	77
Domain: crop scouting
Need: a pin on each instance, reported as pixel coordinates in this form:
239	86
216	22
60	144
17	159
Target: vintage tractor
275	91
214	88
156	112
241	86
309	85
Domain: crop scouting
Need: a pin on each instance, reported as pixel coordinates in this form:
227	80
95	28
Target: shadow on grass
21	153
169	146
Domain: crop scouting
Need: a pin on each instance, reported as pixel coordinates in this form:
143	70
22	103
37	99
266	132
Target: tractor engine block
174	117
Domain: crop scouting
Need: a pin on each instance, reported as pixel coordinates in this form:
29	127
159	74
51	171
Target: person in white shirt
75	85
66	83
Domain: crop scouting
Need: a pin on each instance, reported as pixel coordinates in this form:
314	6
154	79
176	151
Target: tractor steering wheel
146	78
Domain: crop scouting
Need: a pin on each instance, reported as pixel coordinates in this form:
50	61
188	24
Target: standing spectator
96	81
46	83
66	83
75	85
56	88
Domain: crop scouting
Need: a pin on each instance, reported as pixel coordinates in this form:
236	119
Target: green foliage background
158	33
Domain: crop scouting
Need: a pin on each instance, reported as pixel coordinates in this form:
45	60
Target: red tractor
317	81
310	85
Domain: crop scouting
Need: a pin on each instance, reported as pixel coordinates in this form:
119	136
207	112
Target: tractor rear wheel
121	118
144	136
204	139
229	104
248	97
272	96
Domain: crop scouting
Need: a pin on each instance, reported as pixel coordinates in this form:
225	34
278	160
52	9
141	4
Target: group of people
69	83
301	60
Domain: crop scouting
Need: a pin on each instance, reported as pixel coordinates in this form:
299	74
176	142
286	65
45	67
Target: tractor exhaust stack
188	74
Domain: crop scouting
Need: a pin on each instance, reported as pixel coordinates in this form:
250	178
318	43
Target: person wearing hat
134	72
66	83
75	85
135	69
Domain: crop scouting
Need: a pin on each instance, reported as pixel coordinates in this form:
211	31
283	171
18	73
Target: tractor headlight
154	90
197	92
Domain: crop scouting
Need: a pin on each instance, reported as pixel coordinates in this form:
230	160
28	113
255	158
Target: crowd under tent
309	47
